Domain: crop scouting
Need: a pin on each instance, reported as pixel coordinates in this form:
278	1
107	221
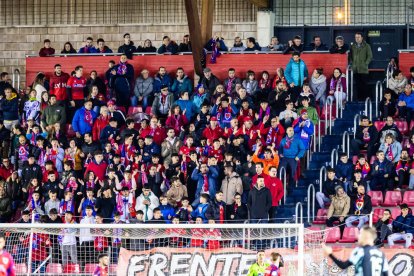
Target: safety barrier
368	108
346	143
311	203
322	177
328	116
339	105
349	83
356	121
334	158
378	95
282	176
299	213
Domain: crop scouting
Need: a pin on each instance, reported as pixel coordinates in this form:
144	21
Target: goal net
160	249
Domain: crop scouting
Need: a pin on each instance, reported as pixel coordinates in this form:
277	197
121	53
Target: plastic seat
333	235
378	213
71	268
395	213
379	125
21	268
376	197
148	110
350	235
54	268
134	109
321	216
325	112
408	198
392	198
402	127
90	268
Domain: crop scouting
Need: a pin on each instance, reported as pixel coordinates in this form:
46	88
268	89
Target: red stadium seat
325	112
350	235
379	125
54	268
90	268
71	268
134	109
333	235
396	246
376	197
377	214
402	127
21	268
392	198
408	198
395	212
148	110
321	216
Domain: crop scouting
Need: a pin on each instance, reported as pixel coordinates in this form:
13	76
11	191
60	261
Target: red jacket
212	134
40	246
100	123
159	134
176	123
275	136
4	172
58	86
275	186
98	169
77	88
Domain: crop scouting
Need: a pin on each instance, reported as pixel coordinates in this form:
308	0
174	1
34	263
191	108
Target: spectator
224	112
360	57
389	128
277	99
144	90
10	107
328	188
39	85
318	85
411	81
58	84
185	104
406	104
4	82
181	83
355	182
291	149
382	174
206	177
265	86
271	158
231	185
217	209
102	48
365	137
128	47
306	92
288	116
250	84
76	89
162	78
259	202
339	208
83	120
295	46
337	87
185	46
147	47
209	81
340	47
168	46
274	45
219	41
171	145
402	169
344	170
88	48
392	66
360	208
383	227
31	108
310	110
5	206
94	80
296	73
121	81
316	45
201	208
177	192
276	189
273	133
238	45
387	105
303	128
397	82
47	50
163	102
69	247
53	114
231	81
402	227
155	130
252	45
237	212
280	76
5	141
391	148
68	49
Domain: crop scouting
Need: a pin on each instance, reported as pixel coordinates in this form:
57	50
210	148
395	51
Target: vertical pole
371	219
29	259
207	18
301	251
195	34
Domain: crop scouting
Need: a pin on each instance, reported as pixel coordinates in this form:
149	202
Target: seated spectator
391	148
311	111
88	48
209	81
389	128
168	46
181	83
238	45
360	208
402	227
344	169
328	188
410	146
116	113
274	45
98	100
366	136
402	169
162	102
102	48
382	174
252	45
167	211
318	85
264	86
250	83
219	41
288	116
387	105
337	87
339	208
306	92
68	49
316	45
280	76
397	82
155	130
383	227
128	47
231	81
144	90
295	46
355	182
122	77
147	47
340	47
47	49
363	165
406	104
162	78
185	46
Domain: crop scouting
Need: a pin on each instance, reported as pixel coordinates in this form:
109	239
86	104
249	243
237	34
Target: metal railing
16	79
387	78
299	213
346	143
368	108
334	157
356	121
328	116
349	83
378	95
311	202
282	176
322	177
339	105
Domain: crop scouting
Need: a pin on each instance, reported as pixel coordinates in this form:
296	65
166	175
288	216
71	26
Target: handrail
368	108
322	177
371	217
328	117
378	95
319	136
282	176
345	143
311	195
387	78
356	119
334	158
350	83
314	138
338	104
286	235
16	77
308	156
297	211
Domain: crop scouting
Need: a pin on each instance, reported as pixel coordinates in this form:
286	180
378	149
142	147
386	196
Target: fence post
301	251
29	259
311	195
322	177
282	177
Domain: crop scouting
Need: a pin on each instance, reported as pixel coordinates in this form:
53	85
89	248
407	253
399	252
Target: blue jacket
190	108
296	72
79	124
90	50
403	224
150	149
409	100
212	181
181	86
296	149
198	100
200	211
167	210
158	82
225	116
106	132
303	133
10	108
344	170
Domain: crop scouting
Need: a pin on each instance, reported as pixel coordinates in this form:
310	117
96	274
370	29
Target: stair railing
338	104
356	122
322	177
378	95
368	108
350	83
282	176
299	213
319	136
311	202
328	117
334	158
314	138
387	77
16	79
345	143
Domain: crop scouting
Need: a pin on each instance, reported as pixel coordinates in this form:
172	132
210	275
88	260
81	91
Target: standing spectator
147	47
128	47
83	120
296	73
185	46
47	50
317	45
366	136
58	83
168	46
312	111
88	48
171	146
295	46
339	208
402	227
95	80
388	104
86	240
340	47
76	90
360	208
291	149
337	87
238	45
181	83
318	85
144	90
397	82
406	104
186	104
303	128
259	202
122	81
52	114
392	66
276	189
237	212
271	157
147	202
105	204
102	48
361	56
206	176
328	188
10	107
5	206
231	185
4	82
68	49
100	123
69	247
209	81
39	85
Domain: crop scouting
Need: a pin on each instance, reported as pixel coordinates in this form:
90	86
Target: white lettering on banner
228	262
158	264
180	264
246	261
200	263
135	264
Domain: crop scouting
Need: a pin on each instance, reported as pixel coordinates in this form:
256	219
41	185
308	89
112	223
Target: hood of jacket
319	80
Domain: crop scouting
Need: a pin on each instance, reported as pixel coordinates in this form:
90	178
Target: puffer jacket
182	85
230	186
10	107
396	85
144	87
339	206
296	72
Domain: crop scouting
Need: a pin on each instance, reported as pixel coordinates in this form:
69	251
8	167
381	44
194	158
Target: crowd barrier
242	62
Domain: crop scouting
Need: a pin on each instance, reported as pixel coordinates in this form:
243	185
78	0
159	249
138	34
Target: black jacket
328	187
390	129
336	50
213	211
259	203
128	50
5	208
29	172
372	131
366	209
240	213
293	49
279	104
90	148
150	49
209	85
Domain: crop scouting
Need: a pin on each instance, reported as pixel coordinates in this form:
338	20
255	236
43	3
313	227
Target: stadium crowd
154	149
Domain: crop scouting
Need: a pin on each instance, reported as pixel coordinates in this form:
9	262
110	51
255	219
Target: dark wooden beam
195	34
207	18
260	3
